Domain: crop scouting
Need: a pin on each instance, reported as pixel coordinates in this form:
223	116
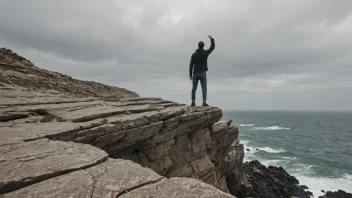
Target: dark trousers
202	77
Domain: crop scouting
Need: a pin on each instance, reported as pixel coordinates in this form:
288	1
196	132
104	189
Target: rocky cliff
17	72
44	140
56	144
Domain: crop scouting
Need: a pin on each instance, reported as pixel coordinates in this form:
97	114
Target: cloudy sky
269	54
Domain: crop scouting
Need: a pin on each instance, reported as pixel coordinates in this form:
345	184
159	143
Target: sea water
315	147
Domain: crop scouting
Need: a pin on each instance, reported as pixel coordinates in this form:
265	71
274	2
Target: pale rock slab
177	188
26	163
78	184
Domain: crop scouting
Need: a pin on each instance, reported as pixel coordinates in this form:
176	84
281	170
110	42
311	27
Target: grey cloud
269	54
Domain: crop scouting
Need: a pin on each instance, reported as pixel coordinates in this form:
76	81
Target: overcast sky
269	55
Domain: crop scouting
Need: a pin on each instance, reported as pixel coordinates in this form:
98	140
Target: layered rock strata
74	145
45	168
17	72
63	137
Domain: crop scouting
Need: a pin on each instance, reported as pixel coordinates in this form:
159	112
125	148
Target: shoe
205	104
193	104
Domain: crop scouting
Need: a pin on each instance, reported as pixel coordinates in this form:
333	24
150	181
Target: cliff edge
65	145
48	145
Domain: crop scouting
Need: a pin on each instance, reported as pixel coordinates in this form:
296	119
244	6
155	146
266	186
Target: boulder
272	181
337	194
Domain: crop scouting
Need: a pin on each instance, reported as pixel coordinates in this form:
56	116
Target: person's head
200	45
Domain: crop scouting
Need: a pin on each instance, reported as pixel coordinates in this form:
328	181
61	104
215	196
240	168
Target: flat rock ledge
132	147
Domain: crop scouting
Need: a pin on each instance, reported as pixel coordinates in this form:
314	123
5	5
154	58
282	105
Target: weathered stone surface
177	188
134	135
131	121
172	112
107	179
76	184
10	135
117	176
143	108
91	113
30	131
92	135
49	128
172	139
6	116
54	106
26	163
139	99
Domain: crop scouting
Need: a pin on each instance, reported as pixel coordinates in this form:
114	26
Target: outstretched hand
210	36
190	77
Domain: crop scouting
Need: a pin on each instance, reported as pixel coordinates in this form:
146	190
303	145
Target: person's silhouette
198	68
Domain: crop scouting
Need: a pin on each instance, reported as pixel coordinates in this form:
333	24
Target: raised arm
191	68
212	46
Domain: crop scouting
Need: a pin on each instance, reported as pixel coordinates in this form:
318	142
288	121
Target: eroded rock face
57	133
271	181
117	178
108	179
171	139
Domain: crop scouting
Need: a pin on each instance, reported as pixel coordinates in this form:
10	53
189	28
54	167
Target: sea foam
245	125
257	149
271	128
271	150
316	184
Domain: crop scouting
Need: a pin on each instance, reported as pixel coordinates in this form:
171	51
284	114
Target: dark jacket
199	59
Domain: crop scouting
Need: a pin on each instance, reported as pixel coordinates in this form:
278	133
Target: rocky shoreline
337	194
275	182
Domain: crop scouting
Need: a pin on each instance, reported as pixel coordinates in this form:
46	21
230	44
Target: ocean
315	147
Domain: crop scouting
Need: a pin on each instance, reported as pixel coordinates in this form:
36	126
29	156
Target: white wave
316	184
303	172
244	142
271	128
246	125
304	169
265	149
271	150
289	158
274	162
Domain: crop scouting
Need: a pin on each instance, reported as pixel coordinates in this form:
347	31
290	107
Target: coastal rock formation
172	139
17	72
41	157
63	137
67	138
272	182
89	174
337	194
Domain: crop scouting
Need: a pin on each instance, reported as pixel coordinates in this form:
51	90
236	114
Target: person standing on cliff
198	68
